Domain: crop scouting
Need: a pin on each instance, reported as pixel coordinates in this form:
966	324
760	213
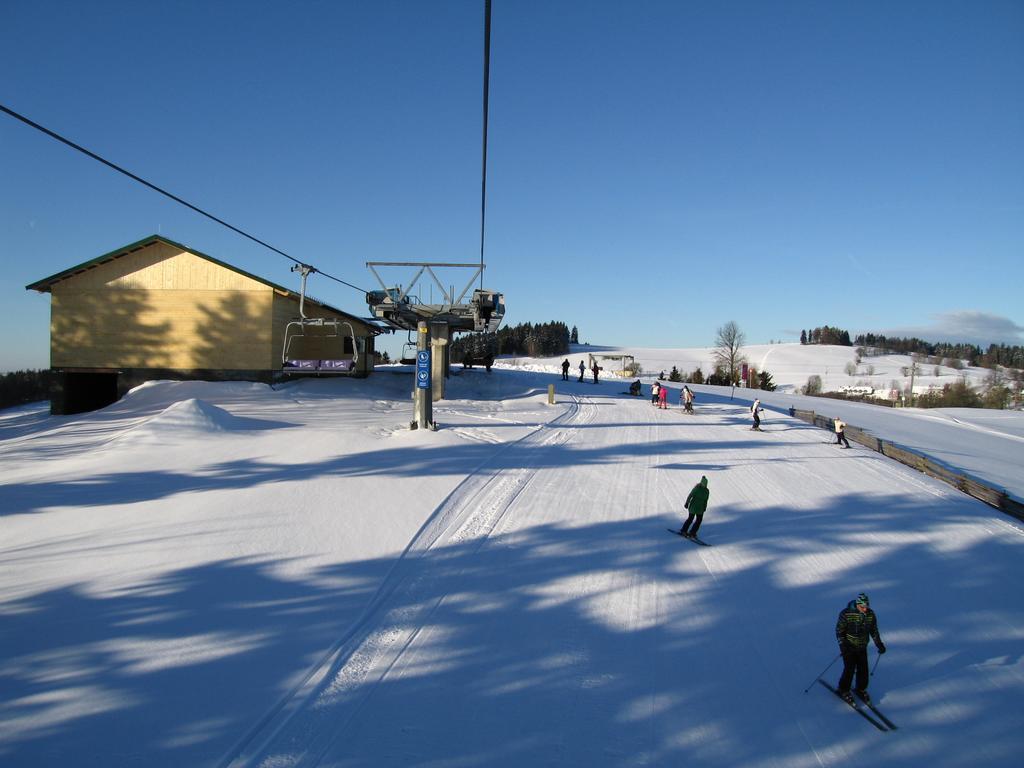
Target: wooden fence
995	497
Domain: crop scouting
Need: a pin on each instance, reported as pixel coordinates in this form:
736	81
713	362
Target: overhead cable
487	80
155	188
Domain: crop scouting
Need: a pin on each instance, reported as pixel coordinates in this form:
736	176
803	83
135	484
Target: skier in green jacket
857	623
696	503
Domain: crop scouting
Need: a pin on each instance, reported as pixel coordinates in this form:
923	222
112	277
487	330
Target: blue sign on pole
423	368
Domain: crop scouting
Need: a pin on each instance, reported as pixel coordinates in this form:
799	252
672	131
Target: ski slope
987	445
229	575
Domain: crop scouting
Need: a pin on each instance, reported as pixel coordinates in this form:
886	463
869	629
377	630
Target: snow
790	365
224	574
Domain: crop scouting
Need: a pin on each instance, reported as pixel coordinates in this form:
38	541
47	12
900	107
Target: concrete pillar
421	393
439	333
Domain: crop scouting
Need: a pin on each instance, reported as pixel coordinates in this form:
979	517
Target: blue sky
655	168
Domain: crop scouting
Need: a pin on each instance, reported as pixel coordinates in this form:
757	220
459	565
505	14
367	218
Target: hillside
790	365
225	574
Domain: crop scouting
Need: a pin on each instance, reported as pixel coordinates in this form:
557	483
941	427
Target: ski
694	540
854	707
878	713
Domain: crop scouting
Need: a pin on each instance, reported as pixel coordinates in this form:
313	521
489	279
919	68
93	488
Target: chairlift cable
483	183
154	187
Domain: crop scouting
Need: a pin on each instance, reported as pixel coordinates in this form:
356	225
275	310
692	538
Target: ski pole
878	658
826	669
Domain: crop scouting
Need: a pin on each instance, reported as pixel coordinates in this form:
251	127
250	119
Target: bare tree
728	349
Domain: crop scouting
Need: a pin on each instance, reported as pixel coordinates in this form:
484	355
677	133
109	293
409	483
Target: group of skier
857	623
595	369
659	396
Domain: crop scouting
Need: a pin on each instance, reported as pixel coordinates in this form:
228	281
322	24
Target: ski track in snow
304	726
613	652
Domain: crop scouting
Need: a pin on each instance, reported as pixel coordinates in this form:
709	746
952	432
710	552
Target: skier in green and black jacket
857	623
696	504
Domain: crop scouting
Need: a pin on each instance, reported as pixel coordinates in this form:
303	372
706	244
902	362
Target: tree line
720	376
1009	356
1006	355
527	339
20	387
826	334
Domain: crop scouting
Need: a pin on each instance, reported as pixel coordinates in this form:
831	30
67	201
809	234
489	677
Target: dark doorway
80	391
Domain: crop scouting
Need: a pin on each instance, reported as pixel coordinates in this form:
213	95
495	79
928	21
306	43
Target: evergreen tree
675	375
995	354
574	336
828	335
721	377
540	340
803	337
19	387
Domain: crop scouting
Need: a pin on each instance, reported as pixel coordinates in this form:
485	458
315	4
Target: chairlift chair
408	353
296	329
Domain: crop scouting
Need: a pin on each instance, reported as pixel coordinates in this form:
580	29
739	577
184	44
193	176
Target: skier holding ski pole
755	411
687	397
841	433
857	623
826	669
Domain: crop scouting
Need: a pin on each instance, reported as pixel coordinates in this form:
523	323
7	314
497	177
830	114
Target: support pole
421	393
439	333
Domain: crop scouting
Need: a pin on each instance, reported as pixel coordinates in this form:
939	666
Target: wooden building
156	309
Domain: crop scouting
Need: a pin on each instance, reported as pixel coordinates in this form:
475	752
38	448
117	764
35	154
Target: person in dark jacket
565	369
857	623
696	503
582	369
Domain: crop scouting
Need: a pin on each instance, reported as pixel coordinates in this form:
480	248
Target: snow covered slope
225	574
790	365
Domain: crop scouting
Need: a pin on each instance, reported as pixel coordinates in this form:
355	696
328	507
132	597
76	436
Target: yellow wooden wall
161	307
161	329
161	266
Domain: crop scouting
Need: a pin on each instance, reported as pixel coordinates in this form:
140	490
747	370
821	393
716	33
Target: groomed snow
226	574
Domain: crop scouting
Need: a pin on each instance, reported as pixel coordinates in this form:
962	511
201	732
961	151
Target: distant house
157	309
